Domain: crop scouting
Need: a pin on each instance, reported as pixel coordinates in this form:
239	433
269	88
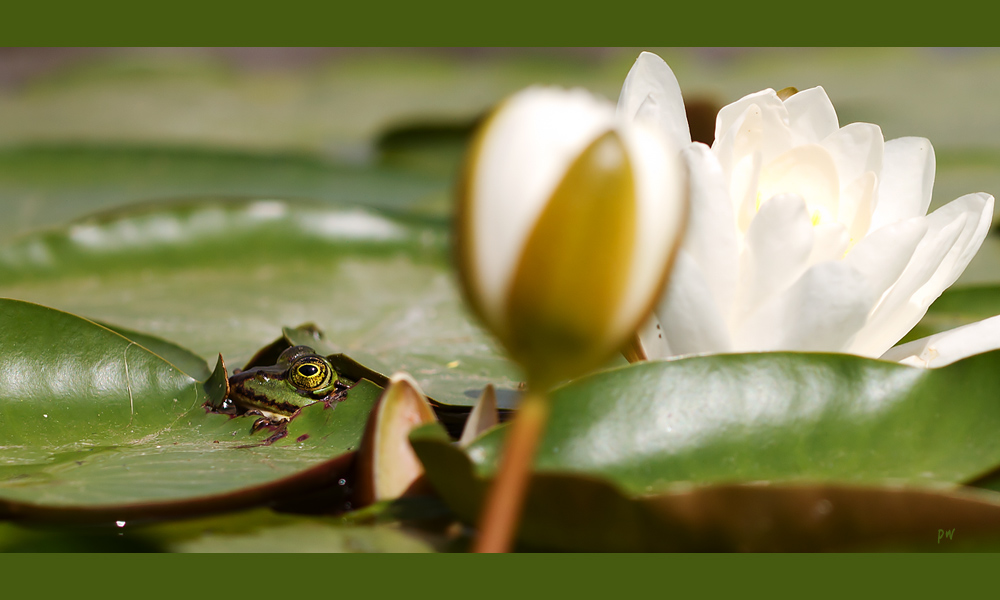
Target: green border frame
518	23
511	22
555	575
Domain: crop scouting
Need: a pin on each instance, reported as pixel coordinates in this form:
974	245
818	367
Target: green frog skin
300	378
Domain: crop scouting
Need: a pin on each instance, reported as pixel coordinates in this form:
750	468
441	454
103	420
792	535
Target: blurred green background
307	108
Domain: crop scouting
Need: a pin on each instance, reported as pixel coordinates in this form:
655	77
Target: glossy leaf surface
580	512
773	417
96	427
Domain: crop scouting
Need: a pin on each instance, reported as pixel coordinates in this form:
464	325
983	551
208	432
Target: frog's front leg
265	420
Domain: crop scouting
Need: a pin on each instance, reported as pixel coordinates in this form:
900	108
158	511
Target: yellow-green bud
567	222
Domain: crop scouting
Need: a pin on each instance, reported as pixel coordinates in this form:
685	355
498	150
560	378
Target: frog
276	393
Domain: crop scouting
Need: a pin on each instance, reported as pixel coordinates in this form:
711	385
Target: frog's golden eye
312	374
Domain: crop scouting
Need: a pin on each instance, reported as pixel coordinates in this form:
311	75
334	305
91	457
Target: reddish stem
502	510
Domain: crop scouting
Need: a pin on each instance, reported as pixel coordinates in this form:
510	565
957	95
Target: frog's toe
259	424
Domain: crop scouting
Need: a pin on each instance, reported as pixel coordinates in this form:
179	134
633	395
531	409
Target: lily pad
579	512
48	185
225	275
453	416
95	427
257	530
188	362
262	530
771	417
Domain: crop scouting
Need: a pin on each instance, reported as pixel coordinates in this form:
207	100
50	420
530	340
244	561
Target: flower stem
502	509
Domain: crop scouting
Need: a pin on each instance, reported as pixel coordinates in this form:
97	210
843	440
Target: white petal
711	237
975	213
947	347
651	339
523	154
774	136
856	202
743	189
651	93
689	317
821	312
808	172
856	149
954	234
661	185
906	181
739	142
882	256
830	241
811	116
777	248
731	114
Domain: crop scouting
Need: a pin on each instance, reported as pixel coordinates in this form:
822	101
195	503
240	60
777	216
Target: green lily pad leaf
95	427
44	186
256	530
309	535
580	512
774	417
188	362
263	530
35	537
224	276
66	379
452	416
431	147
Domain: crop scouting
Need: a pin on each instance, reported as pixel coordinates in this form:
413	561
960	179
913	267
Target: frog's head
300	377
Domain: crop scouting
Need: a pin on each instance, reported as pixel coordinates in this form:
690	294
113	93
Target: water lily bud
568	219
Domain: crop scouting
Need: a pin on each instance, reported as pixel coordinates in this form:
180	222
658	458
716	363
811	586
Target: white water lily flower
803	235
567	221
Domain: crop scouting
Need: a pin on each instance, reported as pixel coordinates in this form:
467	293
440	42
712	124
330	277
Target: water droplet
120	524
342	482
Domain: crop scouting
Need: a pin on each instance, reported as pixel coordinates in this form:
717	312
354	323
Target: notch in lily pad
453	417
